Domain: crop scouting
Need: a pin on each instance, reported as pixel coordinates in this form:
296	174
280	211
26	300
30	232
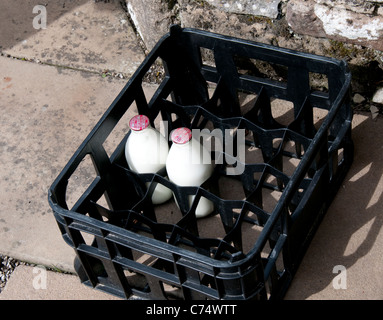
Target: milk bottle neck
143	131
182	145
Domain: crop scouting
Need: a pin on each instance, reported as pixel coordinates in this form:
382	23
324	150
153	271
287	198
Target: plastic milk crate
297	149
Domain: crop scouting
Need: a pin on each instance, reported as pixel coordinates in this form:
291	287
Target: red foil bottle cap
181	135
139	122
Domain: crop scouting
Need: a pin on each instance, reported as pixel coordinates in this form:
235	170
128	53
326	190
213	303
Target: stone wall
345	29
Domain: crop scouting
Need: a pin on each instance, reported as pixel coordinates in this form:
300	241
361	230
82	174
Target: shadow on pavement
17	16
349	233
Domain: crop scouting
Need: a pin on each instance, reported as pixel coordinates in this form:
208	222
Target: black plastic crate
126	246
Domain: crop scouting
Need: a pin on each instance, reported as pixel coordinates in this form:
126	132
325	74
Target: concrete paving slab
37	283
81	34
46	113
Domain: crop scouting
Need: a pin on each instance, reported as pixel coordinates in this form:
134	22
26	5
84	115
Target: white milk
189	164
146	151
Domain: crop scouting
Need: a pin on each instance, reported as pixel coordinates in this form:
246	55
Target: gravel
7	266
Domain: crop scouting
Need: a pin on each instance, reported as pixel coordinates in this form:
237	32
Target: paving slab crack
104	73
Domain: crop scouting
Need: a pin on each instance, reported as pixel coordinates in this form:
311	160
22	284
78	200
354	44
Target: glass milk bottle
146	151
189	164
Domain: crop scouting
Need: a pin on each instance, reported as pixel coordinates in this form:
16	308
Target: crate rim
260	45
